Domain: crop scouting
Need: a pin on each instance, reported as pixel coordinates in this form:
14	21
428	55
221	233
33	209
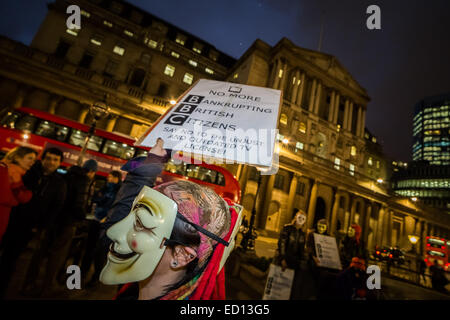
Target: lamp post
414	239
99	110
248	239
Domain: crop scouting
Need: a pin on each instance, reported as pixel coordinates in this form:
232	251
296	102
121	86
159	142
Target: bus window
26	123
220	179
9	120
141	153
192	171
52	130
78	137
117	149
175	168
435	243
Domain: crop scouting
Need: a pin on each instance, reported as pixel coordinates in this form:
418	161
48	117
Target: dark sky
408	59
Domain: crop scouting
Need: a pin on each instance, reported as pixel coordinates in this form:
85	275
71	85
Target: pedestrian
49	194
291	249
438	278
141	171
72	220
353	246
421	268
13	191
103	201
324	278
351	284
174	258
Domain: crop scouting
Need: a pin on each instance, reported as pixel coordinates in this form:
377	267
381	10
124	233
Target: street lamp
99	110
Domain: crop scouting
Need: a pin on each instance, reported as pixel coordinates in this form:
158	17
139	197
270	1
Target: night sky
408	59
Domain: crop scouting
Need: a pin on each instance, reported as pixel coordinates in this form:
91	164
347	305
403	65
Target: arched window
283	119
302	127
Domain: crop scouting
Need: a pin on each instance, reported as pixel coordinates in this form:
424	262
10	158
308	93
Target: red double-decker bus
39	130
437	249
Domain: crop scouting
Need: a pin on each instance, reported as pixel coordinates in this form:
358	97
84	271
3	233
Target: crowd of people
39	203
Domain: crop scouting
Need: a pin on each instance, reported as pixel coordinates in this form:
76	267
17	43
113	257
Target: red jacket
11	194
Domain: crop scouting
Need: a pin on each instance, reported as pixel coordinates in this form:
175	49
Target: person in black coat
49	193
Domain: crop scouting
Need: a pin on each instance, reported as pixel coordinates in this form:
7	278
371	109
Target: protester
79	182
179	258
291	249
353	246
49	194
352	282
438	278
103	201
421	268
13	192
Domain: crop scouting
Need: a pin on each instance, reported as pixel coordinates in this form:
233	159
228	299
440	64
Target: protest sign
232	122
279	283
327	252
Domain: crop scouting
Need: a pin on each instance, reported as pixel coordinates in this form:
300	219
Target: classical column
358	123
83	114
295	87
336	108
363	123
346	112
111	123
312	205
425	235
418	232
334	213
389	227
318	98
365	221
312	98
283	78
291	198
301	90
244	178
350	115
20	97
54	101
352	214
331	109
259	221
381	226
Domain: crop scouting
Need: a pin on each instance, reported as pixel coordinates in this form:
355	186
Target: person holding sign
291	248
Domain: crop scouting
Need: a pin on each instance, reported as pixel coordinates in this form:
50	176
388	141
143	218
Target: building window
152	44
162	90
181	39
302	127
337	163
86	60
97	39
137	78
300	189
62	49
85	13
280	73
299	146
193	63
169	70
353	151
188	78
145	58
293	80
236	75
213	55
119	50
73	32
280	137
279	182
197	49
378	164
175	54
352	169
208	70
128	33
110	69
370	161
283	119
107	23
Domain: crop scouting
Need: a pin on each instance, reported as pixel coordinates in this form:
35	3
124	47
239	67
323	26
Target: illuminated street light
413	239
414	199
285	141
99	110
379	180
172	102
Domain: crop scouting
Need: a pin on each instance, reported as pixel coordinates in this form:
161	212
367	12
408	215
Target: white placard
232	122
327	252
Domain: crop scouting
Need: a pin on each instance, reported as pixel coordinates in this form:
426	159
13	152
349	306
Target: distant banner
232	122
327	251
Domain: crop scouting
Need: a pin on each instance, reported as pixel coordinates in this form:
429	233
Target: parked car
396	256
381	254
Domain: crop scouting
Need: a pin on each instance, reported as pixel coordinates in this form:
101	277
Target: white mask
139	238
